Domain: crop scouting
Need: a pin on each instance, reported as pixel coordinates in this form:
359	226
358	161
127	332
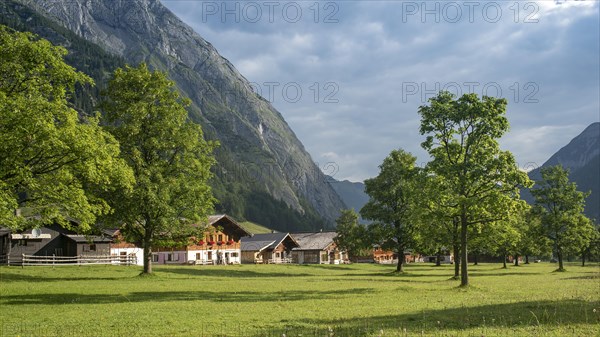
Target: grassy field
272	300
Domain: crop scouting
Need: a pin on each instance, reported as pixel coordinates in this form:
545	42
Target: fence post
53	259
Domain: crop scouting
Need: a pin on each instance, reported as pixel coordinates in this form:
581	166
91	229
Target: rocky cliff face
261	148
580	150
582	158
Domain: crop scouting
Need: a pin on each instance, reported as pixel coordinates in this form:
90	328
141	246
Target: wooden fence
32	260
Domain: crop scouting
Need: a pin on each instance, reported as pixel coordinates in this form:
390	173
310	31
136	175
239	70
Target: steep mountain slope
352	193
582	158
263	168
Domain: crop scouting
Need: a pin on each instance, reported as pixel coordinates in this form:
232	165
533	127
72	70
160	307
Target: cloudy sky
349	76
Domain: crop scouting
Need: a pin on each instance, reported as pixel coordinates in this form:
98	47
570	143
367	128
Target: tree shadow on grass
328	266
434	322
586	277
177	296
224	272
404	277
508	273
11	277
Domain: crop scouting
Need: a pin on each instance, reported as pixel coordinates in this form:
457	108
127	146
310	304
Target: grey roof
88	238
251	246
256	240
314	241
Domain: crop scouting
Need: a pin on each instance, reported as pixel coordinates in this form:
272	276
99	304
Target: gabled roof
275	239
221	219
251	246
314	241
88	238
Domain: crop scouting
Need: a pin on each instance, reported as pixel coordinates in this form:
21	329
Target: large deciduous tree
462	139
54	163
560	207
394	203
170	159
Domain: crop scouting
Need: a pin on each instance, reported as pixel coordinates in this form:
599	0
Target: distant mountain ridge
264	174
352	193
582	158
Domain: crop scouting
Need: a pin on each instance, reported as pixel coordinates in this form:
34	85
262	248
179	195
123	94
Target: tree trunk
526	259
400	266
464	272
583	259
504	261
517	260
438	259
560	260
475	259
456	252
147	253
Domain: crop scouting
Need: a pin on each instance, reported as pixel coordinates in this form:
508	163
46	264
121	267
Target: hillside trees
170	159
560	207
462	139
394	203
54	163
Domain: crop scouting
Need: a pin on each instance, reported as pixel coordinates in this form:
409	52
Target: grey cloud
371	53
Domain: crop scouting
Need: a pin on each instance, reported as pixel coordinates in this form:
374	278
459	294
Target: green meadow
299	300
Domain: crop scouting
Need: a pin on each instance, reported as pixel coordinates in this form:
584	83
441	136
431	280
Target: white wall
138	252
191	255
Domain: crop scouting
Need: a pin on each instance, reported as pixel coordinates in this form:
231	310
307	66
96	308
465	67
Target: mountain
264	174
352	193
582	158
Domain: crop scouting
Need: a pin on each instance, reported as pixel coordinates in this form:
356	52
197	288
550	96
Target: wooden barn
317	248
268	248
54	241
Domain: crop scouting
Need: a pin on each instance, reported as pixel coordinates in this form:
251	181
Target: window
93	247
198	256
22	242
220	237
324	257
169	257
234	254
154	257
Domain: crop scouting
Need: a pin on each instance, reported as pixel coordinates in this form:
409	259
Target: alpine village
148	188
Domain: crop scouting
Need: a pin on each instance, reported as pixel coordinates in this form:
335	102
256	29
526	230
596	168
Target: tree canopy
394	203
54	162
462	139
351	236
560	207
167	152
